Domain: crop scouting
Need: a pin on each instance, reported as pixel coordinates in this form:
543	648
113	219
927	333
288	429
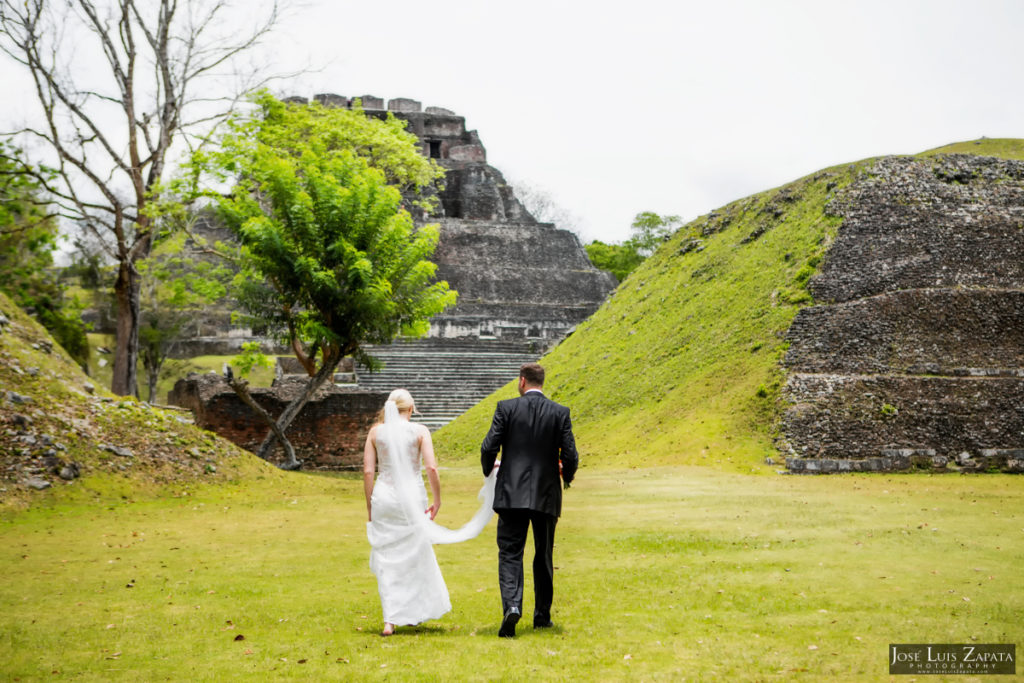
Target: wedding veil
408	484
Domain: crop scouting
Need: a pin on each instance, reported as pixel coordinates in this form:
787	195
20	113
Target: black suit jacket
533	434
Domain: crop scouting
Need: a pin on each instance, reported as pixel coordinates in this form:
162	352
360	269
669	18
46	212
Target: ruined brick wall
913	354
329	433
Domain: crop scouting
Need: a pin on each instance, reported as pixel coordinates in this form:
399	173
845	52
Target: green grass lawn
662	574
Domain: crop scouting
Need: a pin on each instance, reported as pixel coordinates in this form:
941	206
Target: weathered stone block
370	102
331	100
473	153
403	104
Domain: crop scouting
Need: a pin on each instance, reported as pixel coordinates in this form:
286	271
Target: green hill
55	419
681	364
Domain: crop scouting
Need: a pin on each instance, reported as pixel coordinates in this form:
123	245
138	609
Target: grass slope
662	574
53	414
681	364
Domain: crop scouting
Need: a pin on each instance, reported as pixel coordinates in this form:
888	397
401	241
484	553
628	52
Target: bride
401	529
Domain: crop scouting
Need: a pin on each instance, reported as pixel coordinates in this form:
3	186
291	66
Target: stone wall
329	433
913	356
516	280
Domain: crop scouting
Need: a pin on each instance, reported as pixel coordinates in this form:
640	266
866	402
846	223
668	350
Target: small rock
89	388
116	450
21	420
37	483
70	471
33	372
17	398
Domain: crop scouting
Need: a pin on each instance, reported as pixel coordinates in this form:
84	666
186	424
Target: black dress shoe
540	622
508	623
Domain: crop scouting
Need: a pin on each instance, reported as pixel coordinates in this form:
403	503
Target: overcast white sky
675	107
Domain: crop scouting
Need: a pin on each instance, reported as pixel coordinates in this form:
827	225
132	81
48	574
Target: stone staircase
446	377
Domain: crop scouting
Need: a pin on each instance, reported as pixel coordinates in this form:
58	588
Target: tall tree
118	82
330	259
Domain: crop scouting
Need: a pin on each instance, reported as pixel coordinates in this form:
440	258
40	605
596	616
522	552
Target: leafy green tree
330	260
28	238
647	232
618	259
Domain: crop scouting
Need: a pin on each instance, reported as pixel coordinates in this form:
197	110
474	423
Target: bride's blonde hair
403	401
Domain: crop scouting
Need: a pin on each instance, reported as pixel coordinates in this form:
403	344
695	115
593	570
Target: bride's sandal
389	629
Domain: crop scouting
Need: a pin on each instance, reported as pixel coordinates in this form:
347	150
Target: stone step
855	417
446	377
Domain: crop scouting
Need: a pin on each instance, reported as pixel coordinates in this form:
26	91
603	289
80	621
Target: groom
534	435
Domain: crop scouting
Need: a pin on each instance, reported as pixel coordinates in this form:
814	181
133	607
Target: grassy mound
681	364
55	419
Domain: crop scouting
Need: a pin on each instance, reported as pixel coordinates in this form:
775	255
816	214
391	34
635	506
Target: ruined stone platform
913	355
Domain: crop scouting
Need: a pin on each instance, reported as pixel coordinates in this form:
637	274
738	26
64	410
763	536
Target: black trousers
512	528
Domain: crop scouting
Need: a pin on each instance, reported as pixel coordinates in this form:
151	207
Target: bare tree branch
156	55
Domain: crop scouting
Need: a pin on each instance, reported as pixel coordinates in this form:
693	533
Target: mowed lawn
662	574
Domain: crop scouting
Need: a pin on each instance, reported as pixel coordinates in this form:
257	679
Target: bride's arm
369	466
430	464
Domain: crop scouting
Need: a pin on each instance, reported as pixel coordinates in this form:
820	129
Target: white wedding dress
402	535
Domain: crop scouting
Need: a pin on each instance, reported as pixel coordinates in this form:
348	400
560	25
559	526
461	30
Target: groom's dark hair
533	373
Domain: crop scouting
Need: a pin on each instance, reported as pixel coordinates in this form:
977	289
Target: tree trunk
126	354
241	387
153	373
292	410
